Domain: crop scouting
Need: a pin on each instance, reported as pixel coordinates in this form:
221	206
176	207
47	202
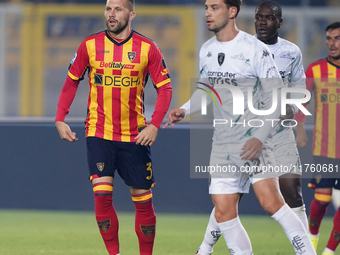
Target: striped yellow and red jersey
323	78
118	70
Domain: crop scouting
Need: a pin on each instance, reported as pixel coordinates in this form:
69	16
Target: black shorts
133	162
320	181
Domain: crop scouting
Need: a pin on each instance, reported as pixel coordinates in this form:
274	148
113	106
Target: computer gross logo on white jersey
216	77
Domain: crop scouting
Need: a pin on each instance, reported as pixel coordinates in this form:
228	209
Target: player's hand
301	136
65	132
289	113
251	149
174	116
147	136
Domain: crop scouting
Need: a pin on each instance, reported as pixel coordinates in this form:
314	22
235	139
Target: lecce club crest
100	166
148	230
131	56
104	225
336	236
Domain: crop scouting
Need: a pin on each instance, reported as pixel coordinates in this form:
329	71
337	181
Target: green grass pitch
26	232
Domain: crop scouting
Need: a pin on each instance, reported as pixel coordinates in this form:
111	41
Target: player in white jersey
233	57
288	58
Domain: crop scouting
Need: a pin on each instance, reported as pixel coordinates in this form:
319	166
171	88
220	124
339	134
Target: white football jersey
288	59
244	62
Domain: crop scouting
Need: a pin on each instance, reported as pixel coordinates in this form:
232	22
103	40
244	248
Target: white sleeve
194	103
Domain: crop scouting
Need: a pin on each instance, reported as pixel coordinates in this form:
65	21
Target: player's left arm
252	148
161	78
266	69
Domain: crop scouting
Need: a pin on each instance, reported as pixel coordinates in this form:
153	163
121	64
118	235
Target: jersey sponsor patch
74	58
286	55
242	58
98	79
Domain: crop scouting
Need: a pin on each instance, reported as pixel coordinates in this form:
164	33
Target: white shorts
285	152
229	174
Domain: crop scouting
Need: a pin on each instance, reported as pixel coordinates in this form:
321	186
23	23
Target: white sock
301	213
212	234
328	250
236	237
295	230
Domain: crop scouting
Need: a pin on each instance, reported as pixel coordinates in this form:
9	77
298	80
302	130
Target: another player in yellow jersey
323	77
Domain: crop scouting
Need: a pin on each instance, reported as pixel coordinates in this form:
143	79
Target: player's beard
120	26
336	57
218	29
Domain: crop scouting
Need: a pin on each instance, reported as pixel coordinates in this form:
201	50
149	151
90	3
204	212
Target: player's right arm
174	116
194	103
190	107
77	69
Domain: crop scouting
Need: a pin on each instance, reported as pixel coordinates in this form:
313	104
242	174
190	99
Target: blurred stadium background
39	38
37	42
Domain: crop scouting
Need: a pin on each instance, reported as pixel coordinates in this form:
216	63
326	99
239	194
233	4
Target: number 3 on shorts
148	165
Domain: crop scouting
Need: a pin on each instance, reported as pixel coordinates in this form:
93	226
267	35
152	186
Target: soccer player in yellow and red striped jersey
119	60
323	77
